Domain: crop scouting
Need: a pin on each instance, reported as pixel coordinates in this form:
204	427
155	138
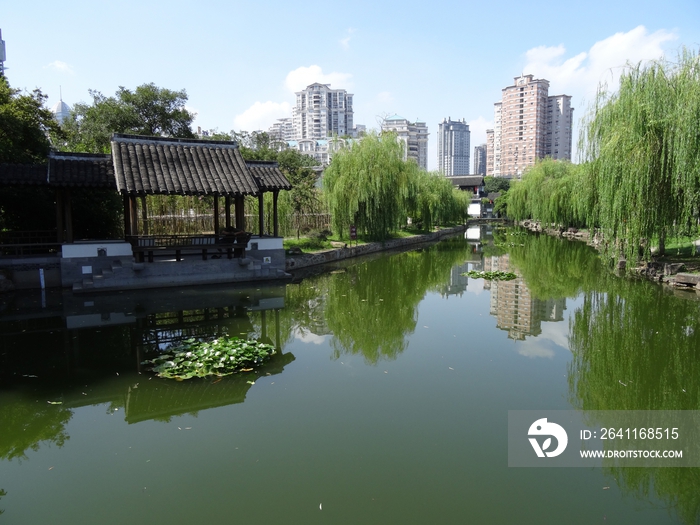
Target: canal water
387	401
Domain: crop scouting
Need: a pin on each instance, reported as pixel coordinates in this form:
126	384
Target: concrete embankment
327	256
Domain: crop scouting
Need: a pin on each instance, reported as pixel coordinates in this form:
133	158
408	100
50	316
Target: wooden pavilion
140	166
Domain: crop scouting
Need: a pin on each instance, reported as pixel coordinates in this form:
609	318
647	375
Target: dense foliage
24	125
371	186
643	147
640	180
148	110
550	191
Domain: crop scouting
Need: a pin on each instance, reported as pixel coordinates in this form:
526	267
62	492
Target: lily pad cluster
491	276
215	357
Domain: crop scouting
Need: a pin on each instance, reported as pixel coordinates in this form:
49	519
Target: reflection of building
457	284
514	307
413	135
528	125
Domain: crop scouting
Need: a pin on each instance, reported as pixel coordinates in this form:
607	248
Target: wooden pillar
216	214
239	212
144	215
69	216
59	216
227	205
275	194
134	215
261	214
127	215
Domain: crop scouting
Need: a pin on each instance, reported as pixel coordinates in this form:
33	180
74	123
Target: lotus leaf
219	357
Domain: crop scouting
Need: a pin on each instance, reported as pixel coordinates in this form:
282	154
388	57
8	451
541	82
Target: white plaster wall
113	249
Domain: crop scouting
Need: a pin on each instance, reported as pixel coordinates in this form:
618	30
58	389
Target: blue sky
241	62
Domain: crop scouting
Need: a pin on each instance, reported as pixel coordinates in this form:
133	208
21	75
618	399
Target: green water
387	401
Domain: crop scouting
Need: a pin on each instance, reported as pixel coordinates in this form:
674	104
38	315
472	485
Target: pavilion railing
24	243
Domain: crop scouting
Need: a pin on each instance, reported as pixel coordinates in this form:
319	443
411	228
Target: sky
241	62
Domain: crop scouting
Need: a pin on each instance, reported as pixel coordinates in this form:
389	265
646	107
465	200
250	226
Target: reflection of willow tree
2	493
637	347
304	305
372	306
25	424
553	268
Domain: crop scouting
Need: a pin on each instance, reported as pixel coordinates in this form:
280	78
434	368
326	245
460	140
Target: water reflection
372	307
635	346
84	350
517	310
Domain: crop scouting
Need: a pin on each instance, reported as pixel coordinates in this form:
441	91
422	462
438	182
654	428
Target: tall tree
643	146
371	186
148	110
24	125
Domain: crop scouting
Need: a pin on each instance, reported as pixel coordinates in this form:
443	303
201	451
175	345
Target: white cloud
309	337
192	110
533	350
581	74
261	115
303	76
59	66
345	42
477	130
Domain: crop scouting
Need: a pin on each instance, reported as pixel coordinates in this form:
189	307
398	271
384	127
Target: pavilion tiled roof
85	170
154	165
72	170
22	175
268	175
467	180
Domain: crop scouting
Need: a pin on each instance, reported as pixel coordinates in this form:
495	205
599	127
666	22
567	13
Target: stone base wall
312	259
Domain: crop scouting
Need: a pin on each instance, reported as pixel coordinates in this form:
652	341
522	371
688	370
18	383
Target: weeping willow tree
370	185
642	144
550	192
437	201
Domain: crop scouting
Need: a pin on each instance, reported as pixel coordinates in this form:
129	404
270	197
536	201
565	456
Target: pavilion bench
147	246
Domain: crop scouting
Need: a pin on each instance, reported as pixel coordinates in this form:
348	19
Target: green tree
643	146
496	184
549	192
437	201
371	186
24	125
148	110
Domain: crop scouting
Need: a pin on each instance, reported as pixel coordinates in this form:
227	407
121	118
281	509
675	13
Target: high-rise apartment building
2	55
322	112
414	136
453	147
480	160
560	116
282	130
528	125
